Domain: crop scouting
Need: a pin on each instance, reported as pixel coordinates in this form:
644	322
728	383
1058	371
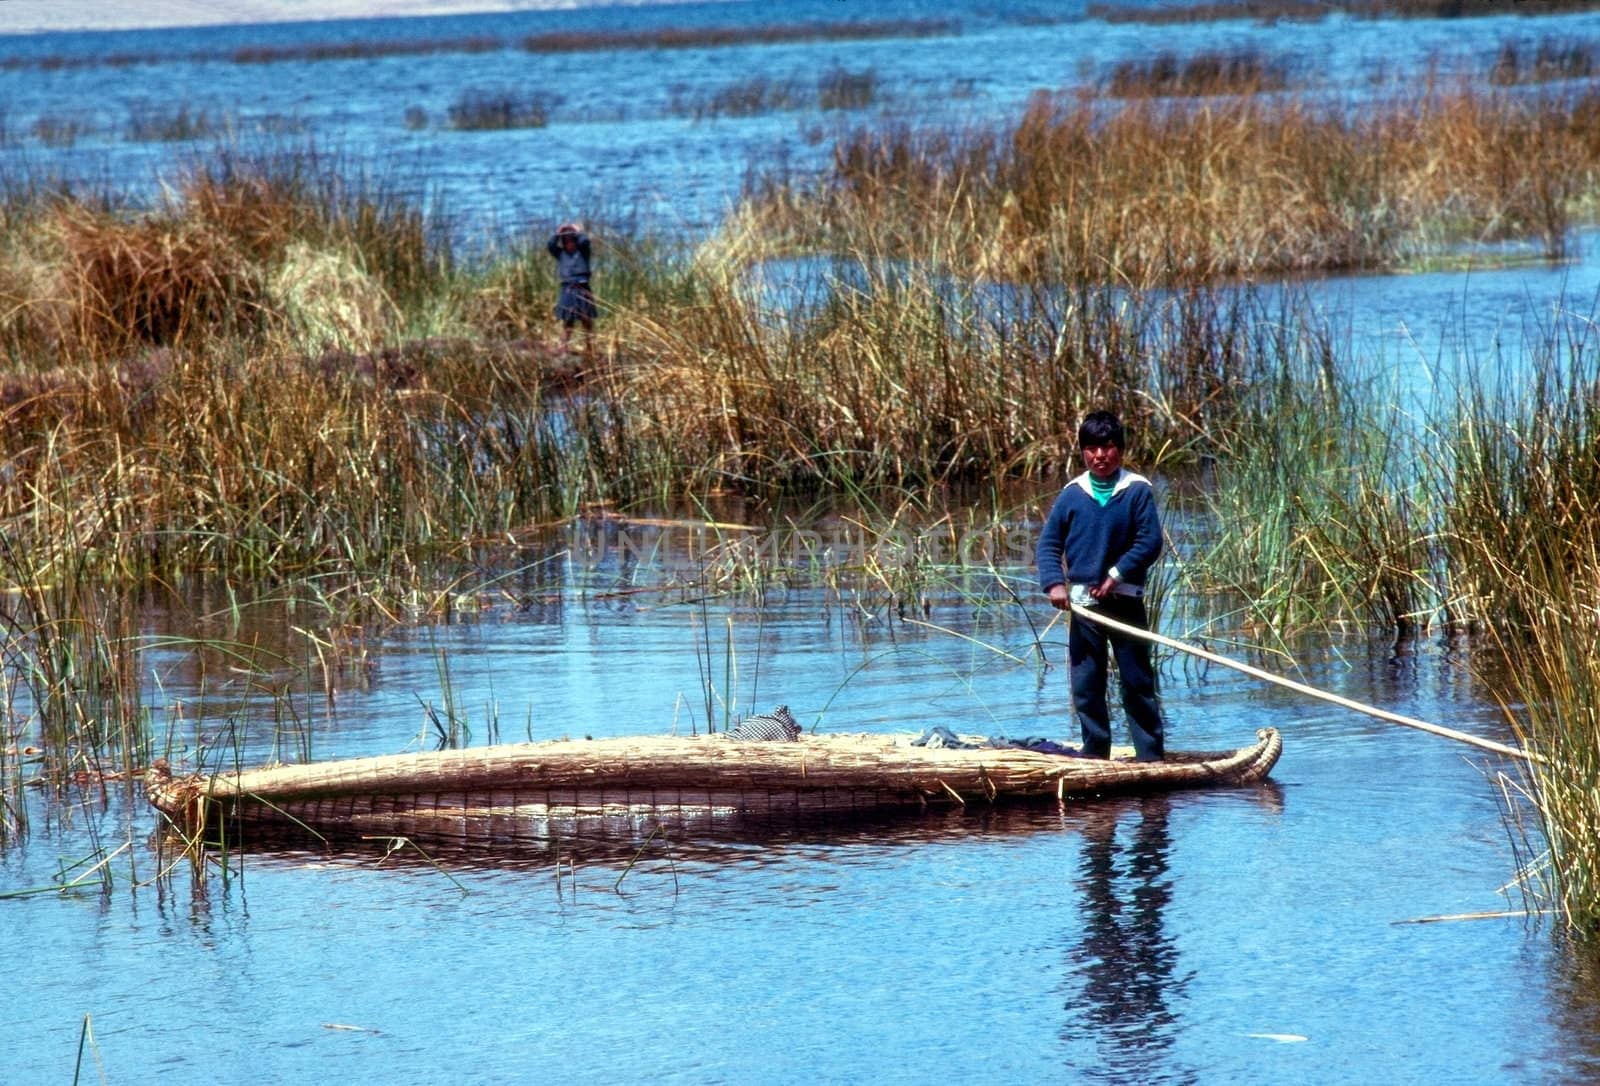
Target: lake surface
621	143
1250	935
1254	935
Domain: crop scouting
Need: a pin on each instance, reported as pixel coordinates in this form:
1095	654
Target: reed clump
1552	676
1180	14
236	251
1519	478
1166	75
54	130
492	110
264	205
890	375
1149	192
158	281
360	50
266	466
1552	59
834	89
69	677
705	37
840	88
149	124
745	98
261	54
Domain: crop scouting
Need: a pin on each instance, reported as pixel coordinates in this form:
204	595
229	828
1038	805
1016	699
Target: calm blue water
1251	936
1246	935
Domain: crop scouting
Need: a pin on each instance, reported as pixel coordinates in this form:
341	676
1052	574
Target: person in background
570	247
1096	548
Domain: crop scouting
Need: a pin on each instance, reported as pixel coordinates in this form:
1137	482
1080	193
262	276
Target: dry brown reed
157	281
1156	193
266	465
232	252
901	376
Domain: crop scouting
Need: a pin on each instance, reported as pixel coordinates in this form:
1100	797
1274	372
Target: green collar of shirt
1102	489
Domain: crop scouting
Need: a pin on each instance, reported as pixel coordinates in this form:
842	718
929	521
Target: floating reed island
607	788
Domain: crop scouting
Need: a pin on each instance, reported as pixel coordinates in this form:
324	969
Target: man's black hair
1101	428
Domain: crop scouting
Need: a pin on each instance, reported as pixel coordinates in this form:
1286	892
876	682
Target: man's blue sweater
1082	541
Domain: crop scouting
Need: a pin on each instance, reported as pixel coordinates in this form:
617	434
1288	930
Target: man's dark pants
1087	647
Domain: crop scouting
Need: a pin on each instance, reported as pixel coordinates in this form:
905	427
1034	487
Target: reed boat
628	786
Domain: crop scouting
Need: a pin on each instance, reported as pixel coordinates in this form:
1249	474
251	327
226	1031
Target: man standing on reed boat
570	247
1096	548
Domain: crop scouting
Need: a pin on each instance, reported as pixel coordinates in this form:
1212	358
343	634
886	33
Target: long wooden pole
1092	615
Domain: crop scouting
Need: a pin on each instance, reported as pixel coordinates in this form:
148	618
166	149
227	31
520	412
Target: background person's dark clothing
576	302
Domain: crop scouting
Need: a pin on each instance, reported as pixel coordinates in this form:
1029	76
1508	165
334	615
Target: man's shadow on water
1123	975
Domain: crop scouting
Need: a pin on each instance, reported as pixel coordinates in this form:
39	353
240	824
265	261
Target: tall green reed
1317	512
1521	455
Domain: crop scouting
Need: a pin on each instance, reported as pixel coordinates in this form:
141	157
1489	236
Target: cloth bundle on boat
778	726
942	737
619	786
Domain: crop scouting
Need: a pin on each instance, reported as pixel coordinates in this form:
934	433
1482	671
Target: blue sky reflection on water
1242	936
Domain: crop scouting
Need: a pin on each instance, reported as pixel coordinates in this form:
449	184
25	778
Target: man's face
1103	461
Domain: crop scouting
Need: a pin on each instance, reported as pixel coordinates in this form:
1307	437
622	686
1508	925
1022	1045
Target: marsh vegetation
1153	193
1202	75
278	373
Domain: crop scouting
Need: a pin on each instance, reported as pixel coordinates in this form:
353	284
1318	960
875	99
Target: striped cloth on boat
778	726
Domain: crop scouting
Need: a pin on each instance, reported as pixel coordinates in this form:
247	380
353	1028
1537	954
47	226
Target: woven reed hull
541	817
626	788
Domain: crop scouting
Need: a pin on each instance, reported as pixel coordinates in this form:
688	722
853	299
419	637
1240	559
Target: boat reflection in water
640	845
